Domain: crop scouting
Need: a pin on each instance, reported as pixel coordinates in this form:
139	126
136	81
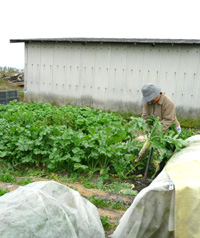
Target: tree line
10	69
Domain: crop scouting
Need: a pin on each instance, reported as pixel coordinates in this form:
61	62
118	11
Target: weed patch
3	191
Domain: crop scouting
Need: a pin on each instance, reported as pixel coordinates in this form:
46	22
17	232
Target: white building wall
110	76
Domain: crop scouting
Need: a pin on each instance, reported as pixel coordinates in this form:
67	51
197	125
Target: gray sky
175	19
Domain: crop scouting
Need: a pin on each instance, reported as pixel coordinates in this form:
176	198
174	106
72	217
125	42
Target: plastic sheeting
184	169
160	210
151	213
48	209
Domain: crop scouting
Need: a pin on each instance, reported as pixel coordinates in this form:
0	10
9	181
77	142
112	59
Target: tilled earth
113	215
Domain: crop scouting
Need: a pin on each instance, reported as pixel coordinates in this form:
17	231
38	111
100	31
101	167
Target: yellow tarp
184	170
170	206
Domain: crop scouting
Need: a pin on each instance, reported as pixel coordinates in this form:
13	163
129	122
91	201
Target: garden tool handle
148	162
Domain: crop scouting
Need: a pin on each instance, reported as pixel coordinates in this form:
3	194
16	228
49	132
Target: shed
108	73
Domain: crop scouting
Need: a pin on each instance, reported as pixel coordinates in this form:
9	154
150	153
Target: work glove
178	129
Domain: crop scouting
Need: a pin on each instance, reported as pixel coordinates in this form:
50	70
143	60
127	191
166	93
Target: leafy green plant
164	143
24	181
3	191
121	188
88	184
106	224
99	202
76	140
7	177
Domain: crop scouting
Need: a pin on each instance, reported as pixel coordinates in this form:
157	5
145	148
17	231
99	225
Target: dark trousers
164	161
162	165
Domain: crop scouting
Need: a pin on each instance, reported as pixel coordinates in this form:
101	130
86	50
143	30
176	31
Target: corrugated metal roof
112	40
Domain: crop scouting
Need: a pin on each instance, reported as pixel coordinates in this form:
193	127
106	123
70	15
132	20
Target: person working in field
157	104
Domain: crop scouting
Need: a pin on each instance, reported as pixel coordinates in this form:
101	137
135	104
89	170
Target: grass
99	202
121	188
9	178
3	191
190	123
113	185
127	114
106	224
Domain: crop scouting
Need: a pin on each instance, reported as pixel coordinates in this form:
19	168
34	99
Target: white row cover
151	214
48	210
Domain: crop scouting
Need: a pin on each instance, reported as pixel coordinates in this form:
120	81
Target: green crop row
72	139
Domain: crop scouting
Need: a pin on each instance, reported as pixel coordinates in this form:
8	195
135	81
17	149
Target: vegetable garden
98	149
80	140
